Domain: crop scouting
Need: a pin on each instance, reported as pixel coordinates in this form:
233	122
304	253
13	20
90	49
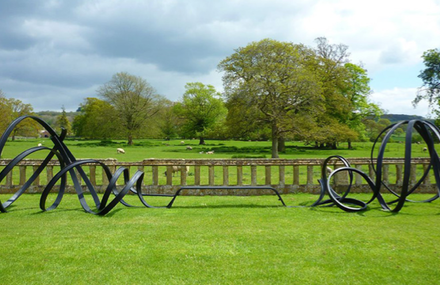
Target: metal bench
238	187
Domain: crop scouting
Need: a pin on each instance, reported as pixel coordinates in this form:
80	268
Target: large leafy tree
6	112
244	120
345	87
274	78
97	120
62	122
11	109
431	78
330	67
168	120
201	109
134	100
357	91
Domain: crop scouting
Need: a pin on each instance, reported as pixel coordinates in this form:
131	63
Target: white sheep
202	152
175	169
182	142
425	149
40	144
120	150
329	170
189	148
210	152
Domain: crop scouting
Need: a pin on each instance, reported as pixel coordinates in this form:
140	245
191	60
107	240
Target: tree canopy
97	120
63	122
134	100
201	109
11	109
430	76
276	79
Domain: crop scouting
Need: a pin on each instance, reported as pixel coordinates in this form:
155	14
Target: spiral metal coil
427	131
69	164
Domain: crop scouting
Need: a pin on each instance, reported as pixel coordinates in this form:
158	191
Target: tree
5	110
374	128
330	67
201	108
276	78
97	120
357	91
244	120
346	89
134	100
431	78
168	120
63	122
11	109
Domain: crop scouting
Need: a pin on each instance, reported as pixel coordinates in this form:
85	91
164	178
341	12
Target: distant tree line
273	90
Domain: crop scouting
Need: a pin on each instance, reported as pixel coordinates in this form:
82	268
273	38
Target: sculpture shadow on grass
428	131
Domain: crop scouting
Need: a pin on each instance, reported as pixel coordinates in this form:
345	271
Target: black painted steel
70	166
239	187
427	131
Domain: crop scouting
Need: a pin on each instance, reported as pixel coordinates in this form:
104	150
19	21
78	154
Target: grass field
220	240
217	240
144	149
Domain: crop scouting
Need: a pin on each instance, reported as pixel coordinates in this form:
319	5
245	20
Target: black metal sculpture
69	164
427	131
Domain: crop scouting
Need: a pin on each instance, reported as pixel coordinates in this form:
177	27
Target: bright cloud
399	101
60	52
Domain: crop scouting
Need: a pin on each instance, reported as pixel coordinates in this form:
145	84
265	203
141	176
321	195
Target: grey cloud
65	49
392	55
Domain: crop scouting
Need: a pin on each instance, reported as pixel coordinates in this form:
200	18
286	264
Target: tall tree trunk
202	141
130	139
281	144
274	141
349	145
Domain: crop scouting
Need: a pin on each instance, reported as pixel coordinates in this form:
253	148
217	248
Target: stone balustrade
285	175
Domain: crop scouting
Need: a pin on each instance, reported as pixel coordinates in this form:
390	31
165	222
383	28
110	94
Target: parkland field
144	149
217	240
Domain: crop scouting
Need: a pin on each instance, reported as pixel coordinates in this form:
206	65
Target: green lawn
219	240
144	149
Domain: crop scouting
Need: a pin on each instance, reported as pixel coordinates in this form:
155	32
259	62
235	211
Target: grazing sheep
182	142
425	149
120	150
329	170
202	152
40	144
189	148
210	152
177	169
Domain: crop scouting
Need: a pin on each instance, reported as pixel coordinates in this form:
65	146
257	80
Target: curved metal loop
325	186
71	166
426	130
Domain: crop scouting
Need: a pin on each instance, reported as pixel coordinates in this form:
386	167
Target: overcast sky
56	53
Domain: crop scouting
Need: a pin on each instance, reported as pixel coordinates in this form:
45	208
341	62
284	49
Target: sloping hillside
51	116
394	118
